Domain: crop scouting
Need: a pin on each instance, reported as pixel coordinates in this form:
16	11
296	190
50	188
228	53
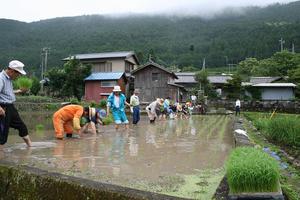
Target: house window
108	83
102	67
154	76
128	67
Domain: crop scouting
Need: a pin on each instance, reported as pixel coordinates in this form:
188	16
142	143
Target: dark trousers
136	114
11	119
237	110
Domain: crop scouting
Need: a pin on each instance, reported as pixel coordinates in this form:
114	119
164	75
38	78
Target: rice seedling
284	130
39	127
24	83
251	170
107	120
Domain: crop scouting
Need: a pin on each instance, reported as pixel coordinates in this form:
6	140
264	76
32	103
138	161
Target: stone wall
21	182
265	106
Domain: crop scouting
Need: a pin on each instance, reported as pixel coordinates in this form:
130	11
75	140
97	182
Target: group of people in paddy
68	119
76	119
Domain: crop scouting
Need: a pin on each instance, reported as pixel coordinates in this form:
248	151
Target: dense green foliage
69	81
282	129
279	64
36	86
251	170
233	87
181	41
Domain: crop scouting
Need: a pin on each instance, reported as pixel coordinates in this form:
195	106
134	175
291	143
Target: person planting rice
9	116
67	120
94	120
116	103
152	108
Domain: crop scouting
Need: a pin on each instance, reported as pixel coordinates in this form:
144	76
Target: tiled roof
104	76
189	77
219	79
275	85
266	79
122	54
185	77
155	65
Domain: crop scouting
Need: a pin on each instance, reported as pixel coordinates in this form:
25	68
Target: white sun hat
17	65
117	89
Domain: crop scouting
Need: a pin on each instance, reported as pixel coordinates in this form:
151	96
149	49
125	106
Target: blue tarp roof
104	76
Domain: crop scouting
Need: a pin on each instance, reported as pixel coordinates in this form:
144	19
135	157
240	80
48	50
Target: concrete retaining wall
21	182
266	106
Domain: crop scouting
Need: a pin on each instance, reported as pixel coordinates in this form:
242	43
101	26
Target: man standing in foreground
9	116
135	103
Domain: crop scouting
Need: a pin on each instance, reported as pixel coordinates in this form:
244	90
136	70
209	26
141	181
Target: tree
204	84
36	86
266	67
294	76
189	69
285	61
57	78
234	87
245	67
75	72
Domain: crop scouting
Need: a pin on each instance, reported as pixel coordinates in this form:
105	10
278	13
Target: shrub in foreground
251	170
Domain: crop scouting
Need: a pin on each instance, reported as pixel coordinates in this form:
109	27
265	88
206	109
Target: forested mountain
171	40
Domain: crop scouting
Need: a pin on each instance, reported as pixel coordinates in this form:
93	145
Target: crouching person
67	120
93	122
152	109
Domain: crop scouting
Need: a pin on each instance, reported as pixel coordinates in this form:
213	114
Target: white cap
17	65
117	89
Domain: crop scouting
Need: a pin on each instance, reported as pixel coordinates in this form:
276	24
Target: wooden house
155	81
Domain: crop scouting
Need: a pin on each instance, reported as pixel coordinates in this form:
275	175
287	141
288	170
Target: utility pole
293	48
281	44
46	50
44	62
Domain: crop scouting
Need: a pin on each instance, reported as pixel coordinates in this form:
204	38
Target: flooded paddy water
182	158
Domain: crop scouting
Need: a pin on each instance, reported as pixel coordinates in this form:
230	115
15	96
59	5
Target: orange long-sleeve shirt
70	112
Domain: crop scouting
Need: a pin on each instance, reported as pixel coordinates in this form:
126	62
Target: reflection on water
145	153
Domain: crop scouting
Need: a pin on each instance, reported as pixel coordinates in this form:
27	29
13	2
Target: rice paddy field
182	157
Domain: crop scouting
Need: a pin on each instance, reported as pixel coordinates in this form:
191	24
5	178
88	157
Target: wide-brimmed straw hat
117	89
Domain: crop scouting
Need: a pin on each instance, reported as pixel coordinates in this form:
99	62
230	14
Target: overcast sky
34	10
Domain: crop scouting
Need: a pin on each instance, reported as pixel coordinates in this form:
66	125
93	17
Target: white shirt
238	103
117	101
193	97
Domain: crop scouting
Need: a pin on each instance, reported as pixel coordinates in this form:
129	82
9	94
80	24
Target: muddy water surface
176	157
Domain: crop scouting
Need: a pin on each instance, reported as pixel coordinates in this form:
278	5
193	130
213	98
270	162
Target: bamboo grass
251	170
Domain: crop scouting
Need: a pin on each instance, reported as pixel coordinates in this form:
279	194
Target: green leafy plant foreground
251	170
